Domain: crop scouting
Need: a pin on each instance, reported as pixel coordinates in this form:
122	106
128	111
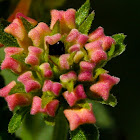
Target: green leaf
82	13
5	38
119	46
85	132
86	25
56	28
16	119
19	57
116	49
8	76
61	126
2	54
111	51
28	26
112	101
33	127
18	88
103	117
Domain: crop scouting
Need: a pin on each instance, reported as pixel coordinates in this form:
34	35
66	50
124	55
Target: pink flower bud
46	70
75	96
38	33
32	21
28	81
68	77
73	35
53	87
107	42
78	117
75	47
98	34
49	109
6	90
95	51
66	18
16	29
53	39
36	105
33	56
76	37
64	61
78	56
69	17
104	85
9	62
56	15
17	99
82	39
86	71
12	51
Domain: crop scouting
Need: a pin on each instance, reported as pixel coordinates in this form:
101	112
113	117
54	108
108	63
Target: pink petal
104	85
78	117
38	33
17	99
33	56
53	39
63	60
6	90
46	70
28	81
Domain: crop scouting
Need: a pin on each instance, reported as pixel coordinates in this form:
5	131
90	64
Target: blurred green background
116	16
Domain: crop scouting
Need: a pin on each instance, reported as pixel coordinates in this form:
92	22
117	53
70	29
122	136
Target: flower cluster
57	64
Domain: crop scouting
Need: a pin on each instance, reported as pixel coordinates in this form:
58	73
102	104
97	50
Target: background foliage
121	122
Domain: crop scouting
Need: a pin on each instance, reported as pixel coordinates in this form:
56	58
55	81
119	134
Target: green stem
61	126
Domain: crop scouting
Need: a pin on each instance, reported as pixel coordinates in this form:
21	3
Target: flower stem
61	126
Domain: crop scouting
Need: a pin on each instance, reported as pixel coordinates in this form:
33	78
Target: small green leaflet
85	132
116	49
119	46
84	105
28	26
16	119
98	72
82	13
18	88
6	39
56	28
112	101
19	57
86	25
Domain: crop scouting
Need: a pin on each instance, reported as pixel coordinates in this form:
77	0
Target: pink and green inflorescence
57	66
